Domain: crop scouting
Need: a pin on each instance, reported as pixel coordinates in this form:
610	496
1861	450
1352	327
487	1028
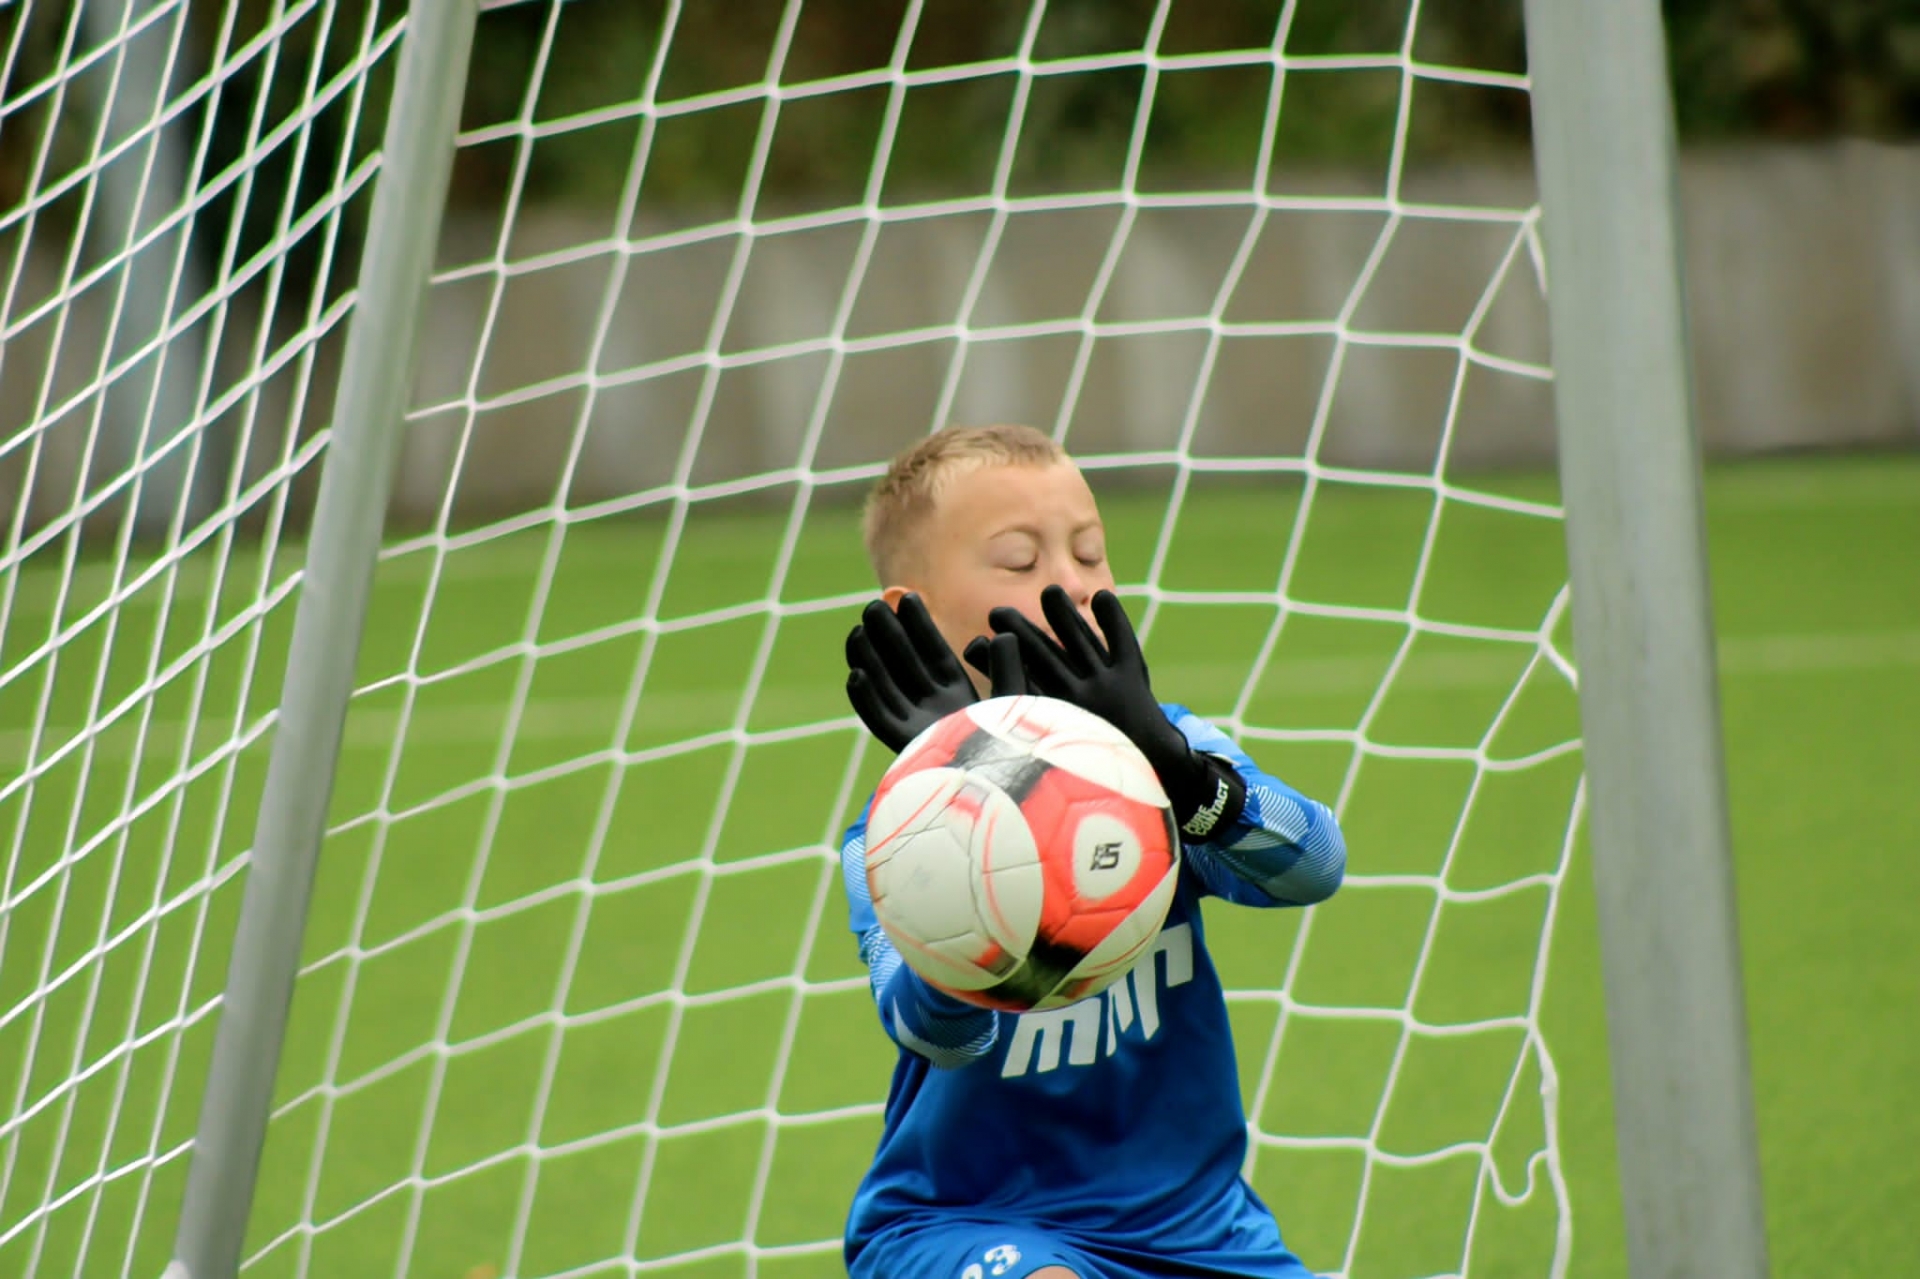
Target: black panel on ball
1010	766
1046	968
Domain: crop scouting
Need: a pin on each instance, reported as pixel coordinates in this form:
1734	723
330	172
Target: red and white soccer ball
1021	854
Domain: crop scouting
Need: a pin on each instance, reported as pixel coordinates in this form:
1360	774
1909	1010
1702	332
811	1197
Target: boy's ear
894	594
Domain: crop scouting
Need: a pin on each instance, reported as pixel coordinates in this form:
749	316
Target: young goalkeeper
1095	1142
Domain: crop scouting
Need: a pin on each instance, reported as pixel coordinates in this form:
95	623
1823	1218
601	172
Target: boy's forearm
1281	843
1286	845
917	1017
946	1031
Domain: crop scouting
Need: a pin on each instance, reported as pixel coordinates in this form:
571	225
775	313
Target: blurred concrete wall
580	370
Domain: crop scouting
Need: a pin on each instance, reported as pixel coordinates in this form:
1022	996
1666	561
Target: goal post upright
1605	155
376	378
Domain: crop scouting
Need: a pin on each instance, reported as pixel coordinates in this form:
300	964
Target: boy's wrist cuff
1207	799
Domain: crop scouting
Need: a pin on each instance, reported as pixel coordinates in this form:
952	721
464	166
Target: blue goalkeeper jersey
1117	1118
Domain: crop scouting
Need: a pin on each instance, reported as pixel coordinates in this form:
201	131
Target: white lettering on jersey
1044	1031
1036	1036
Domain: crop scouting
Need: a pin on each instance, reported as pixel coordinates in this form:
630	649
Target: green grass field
567	932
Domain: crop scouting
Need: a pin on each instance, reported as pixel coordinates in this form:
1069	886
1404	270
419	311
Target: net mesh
578	997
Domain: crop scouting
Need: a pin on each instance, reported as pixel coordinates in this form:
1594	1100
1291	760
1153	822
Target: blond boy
1096	1142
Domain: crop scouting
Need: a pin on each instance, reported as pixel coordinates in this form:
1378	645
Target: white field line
674	712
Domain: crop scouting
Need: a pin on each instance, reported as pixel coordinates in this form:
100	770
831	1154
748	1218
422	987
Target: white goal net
578	996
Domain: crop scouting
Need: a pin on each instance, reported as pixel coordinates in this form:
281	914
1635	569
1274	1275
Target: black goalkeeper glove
1110	680
903	679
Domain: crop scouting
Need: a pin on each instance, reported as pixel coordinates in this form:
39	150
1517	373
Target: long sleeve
946	1031
1285	849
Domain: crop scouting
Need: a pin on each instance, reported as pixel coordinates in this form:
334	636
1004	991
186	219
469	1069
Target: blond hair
904	497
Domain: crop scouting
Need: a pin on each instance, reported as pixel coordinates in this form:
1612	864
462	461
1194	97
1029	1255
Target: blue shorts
981	1250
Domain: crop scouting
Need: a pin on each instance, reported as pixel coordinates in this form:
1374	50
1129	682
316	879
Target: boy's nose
1079	589
1071	580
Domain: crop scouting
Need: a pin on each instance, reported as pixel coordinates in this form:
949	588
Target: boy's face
1001	534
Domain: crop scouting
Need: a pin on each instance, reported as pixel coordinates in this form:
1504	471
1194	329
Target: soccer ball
1021	854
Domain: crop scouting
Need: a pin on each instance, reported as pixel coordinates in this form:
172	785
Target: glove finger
895	651
1004	669
936	655
861	694
999	660
1123	645
1011	621
1083	649
1046	665
864	662
978	652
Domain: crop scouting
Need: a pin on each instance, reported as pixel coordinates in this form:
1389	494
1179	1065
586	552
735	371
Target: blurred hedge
1742	68
556	83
